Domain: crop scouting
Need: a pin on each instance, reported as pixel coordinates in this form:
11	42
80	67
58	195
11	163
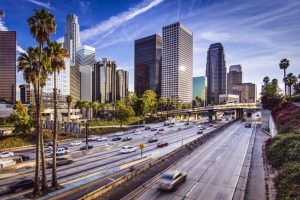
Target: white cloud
42	4
84	6
20	49
215	36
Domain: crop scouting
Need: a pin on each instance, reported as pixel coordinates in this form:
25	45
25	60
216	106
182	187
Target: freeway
213	169
96	162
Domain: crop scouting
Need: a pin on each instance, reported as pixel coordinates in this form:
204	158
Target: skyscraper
246	92
104	81
75	83
215	73
121	84
72	37
85	60
147	64
25	93
199	87
177	62
234	77
8	66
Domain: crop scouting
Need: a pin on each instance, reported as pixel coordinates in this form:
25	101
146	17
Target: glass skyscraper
215	73
121	84
199	87
234	77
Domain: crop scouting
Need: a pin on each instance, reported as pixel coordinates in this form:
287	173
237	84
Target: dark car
152	140
161	129
60	162
187	123
116	138
243	119
22	185
84	147
126	139
24	157
147	128
162	144
247	125
211	125
200	132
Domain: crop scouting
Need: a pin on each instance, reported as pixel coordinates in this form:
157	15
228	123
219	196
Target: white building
177	62
85	60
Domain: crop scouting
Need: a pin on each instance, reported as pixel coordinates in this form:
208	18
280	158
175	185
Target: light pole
86	135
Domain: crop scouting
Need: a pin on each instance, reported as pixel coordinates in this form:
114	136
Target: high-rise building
85	60
75	83
199	87
147	64
104	81
215	73
177	63
25	93
246	92
8	66
121	84
234	77
72	37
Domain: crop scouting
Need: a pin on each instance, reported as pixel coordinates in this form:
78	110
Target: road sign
142	146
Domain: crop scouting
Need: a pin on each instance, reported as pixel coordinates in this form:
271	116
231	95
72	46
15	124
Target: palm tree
57	56
69	100
41	25
96	107
284	64
86	105
290	80
266	80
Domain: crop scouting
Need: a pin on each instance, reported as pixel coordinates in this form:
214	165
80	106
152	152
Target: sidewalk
256	185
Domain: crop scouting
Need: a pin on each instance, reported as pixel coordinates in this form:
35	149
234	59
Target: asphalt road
92	163
213	170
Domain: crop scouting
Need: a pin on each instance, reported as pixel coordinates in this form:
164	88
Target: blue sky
255	33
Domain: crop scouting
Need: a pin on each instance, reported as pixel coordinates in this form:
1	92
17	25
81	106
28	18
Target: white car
92	138
119	133
60	151
75	143
6	154
128	149
101	139
137	133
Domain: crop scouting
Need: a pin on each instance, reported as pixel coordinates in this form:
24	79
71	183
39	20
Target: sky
255	33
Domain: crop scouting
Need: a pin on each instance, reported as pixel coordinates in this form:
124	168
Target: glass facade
75	83
25	93
215	73
234	77
147	65
121	84
199	87
8	66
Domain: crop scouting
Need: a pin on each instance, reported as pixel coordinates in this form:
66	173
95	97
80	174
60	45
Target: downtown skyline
258	47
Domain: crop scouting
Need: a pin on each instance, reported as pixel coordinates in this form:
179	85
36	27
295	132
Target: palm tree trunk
290	89
284	74
54	175
44	172
69	112
37	181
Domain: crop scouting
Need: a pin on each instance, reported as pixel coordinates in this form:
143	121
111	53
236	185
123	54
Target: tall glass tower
72	37
177	62
121	84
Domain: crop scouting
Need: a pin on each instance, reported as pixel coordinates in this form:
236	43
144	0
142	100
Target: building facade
199	87
177	63
75	83
8	66
85	60
72	37
246	91
104	81
228	98
122	78
215	73
147	64
234	77
25	93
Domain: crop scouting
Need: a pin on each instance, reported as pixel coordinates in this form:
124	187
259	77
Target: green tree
69	100
270	95
95	106
20	118
199	101
266	80
149	97
290	80
122	113
139	107
284	64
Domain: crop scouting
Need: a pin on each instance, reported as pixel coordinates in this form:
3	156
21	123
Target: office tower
85	60
121	84
215	73
234	77
75	83
177	63
8	66
72	37
104	81
147	64
25	93
246	92
62	85
199	87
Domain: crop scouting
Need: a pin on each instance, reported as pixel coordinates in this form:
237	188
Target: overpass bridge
238	108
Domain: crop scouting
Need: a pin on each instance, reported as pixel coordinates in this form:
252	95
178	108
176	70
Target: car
101	139
199	132
22	185
147	127
119	133
161	129
116	138
84	147
60	162
201	127
59	152
171	126
49	144
128	149
91	139
6	154
186	123
153	129
171	180
162	144
227	119
137	133
75	143
210	125
126	139
247	125
24	157
154	139
243	119
166	123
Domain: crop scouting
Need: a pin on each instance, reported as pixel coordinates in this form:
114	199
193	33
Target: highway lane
213	169
94	162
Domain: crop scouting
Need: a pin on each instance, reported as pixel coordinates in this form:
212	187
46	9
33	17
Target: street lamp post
86	135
